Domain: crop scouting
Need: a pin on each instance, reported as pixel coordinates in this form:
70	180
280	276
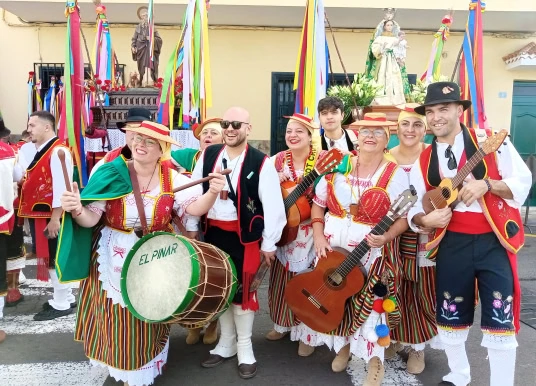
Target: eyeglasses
237	125
149	142
377	133
452	164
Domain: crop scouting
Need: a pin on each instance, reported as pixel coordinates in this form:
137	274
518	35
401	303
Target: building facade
254	46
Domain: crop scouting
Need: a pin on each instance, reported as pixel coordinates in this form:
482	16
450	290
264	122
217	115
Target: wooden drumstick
199	181
61	156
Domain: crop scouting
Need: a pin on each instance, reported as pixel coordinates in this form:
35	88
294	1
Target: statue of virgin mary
382	64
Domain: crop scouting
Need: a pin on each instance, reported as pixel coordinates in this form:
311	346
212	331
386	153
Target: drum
167	278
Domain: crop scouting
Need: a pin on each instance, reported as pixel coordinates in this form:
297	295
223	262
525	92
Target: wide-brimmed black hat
4	131
442	92
135	114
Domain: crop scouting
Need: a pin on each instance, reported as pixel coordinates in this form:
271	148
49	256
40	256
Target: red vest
498	213
115	209
6	153
37	186
374	203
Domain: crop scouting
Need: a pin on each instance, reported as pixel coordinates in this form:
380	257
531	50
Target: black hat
442	92
136	114
4	131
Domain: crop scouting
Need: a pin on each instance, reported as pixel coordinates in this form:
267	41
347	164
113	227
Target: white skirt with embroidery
344	233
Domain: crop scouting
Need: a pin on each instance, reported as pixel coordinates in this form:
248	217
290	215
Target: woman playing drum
357	198
298	255
132	350
417	292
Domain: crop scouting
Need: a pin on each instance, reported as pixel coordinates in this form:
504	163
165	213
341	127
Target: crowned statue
386	60
141	47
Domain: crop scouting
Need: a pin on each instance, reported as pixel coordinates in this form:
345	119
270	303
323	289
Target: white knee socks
63	293
454	344
244	327
226	346
502	358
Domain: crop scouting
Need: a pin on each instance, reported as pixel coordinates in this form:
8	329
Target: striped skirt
417	304
280	312
111	334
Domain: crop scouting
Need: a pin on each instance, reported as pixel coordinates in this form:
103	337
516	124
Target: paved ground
44	353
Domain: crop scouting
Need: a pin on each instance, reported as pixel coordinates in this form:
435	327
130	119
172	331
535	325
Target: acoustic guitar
318	297
297	206
446	193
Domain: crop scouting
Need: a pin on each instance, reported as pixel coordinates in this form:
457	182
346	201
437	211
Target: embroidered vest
37	190
505	221
374	202
281	159
115	218
248	204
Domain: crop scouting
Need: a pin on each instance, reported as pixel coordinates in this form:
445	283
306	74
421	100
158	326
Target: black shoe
213	360
46	305
247	371
51	313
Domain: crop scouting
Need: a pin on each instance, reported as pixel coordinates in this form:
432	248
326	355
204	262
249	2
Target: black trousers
461	259
229	242
11	246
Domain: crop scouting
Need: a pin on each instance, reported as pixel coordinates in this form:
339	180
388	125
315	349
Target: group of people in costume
420	273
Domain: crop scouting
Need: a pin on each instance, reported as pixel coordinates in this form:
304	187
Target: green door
523	124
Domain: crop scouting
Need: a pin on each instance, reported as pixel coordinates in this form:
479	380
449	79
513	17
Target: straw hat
154	130
408	110
135	114
212	123
304	120
373	120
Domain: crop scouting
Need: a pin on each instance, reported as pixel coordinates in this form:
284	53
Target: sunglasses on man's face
237	125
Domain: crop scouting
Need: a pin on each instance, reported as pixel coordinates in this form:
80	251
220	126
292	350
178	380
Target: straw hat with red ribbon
156	131
211	123
374	120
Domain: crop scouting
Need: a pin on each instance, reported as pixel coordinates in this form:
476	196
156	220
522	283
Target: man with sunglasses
246	212
331	115
483	233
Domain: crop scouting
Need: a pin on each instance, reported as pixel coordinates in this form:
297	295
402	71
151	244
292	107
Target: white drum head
157	276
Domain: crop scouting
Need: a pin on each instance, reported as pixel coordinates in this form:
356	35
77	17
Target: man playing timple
483	233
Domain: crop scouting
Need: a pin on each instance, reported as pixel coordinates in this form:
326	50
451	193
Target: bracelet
318	219
486	180
79	213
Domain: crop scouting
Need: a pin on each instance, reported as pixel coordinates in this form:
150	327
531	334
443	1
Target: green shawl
185	158
110	181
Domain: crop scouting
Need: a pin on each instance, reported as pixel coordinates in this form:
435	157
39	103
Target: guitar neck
307	181
354	258
468	168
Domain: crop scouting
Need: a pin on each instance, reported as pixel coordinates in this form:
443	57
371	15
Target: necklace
290	163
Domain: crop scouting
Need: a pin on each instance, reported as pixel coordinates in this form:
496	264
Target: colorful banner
310	79
72	122
433	70
472	68
187	84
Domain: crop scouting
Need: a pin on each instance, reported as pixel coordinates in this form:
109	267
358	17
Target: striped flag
472	68
433	70
150	21
72	123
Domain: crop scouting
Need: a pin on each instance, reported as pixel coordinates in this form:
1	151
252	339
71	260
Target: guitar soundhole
334	279
445	193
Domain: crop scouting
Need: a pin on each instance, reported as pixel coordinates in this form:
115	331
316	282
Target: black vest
247	202
348	141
